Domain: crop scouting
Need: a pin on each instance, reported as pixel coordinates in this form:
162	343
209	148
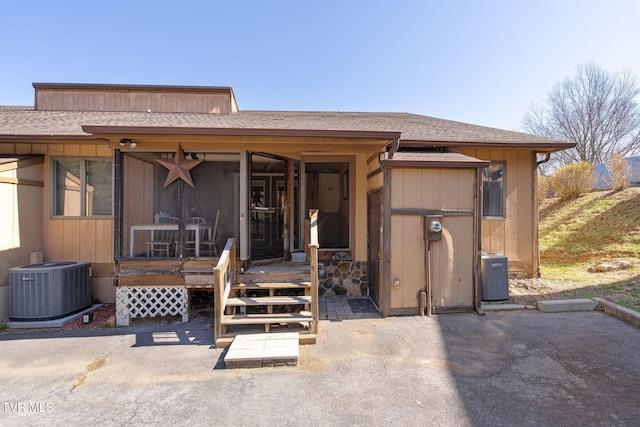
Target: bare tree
597	110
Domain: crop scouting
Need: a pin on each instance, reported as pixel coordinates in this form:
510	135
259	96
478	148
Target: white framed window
82	187
493	190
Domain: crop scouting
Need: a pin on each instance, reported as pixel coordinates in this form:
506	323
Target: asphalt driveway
509	368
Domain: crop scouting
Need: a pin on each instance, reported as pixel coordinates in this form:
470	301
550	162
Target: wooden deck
282	295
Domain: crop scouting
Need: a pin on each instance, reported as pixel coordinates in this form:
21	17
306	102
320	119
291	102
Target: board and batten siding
452	274
76	239
516	235
69	239
89	99
139	203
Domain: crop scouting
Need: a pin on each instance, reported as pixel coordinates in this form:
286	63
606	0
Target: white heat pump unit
47	291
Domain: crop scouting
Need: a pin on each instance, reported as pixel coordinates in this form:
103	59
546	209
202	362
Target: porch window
493	180
82	187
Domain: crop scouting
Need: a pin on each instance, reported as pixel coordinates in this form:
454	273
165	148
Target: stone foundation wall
345	278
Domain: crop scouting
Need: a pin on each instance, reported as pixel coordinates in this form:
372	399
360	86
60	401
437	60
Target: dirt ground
620	287
104	317
530	291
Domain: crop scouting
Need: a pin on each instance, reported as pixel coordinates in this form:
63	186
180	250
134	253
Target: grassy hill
597	227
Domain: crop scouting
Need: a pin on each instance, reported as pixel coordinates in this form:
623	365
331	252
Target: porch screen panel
328	190
215	193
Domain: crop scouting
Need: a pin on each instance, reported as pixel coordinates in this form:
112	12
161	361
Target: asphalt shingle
25	121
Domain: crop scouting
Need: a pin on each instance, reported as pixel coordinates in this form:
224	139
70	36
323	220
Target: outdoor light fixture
125	141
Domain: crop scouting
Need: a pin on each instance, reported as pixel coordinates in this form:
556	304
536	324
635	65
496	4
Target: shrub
544	186
571	181
619	171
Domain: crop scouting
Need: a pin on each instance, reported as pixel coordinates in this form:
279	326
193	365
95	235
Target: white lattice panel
150	301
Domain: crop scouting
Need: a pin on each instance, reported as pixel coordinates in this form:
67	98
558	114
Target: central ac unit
50	290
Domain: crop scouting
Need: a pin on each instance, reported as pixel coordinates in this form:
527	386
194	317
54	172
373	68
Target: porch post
286	210
181	224
117	205
245	174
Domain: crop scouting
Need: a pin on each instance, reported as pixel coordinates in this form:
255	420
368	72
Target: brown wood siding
516	235
130	100
70	239
138	201
452	257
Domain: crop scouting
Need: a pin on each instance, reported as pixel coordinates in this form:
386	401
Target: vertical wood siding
452	257
138	203
515	236
71	239
124	100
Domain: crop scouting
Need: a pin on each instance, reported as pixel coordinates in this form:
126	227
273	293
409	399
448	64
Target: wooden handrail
224	275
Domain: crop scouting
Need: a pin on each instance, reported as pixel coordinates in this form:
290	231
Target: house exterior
89	165
603	178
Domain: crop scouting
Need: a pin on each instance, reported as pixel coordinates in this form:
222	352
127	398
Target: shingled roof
25	122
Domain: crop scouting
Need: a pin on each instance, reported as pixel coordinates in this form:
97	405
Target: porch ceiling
273	140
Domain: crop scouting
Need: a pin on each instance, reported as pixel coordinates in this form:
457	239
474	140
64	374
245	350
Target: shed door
416	193
375	234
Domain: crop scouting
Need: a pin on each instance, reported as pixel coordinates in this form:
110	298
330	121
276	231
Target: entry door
374	200
267	202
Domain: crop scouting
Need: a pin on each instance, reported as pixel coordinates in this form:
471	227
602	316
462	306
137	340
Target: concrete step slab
263	350
558	306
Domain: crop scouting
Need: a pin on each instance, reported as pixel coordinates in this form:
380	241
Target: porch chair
163	241
209	246
190	241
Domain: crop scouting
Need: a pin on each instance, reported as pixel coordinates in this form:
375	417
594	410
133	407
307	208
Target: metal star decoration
179	167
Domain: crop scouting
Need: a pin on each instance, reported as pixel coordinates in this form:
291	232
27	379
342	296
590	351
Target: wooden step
275	300
273	277
272	285
261	319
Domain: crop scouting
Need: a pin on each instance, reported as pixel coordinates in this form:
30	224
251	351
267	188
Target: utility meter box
495	277
434	227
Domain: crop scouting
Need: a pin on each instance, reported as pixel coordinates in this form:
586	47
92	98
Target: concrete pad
513	368
557	306
502	307
55	323
261	350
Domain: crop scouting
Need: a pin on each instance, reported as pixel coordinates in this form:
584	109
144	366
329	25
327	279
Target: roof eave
131	87
202	131
45	138
545	147
433	164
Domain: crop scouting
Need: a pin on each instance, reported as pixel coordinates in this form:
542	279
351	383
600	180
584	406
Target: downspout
535	201
478	243
395	145
546	159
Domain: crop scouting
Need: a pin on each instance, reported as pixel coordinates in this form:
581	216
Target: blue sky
481	62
